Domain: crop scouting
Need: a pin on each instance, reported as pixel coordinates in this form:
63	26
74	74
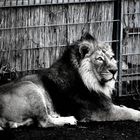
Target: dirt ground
126	130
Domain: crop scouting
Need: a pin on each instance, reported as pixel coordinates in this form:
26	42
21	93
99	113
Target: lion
77	87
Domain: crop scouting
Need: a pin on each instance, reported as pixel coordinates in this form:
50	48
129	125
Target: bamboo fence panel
102	12
34	37
55	35
76	13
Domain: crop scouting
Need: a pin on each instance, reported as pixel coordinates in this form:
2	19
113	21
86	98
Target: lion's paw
71	120
1	128
63	120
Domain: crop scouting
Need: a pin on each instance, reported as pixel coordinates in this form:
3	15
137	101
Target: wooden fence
34	36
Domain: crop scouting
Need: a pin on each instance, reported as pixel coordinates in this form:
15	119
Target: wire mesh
131	47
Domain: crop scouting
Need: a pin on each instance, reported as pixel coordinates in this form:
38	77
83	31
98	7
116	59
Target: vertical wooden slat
36	36
25	40
28	32
18	47
3	21
12	43
42	36
30	37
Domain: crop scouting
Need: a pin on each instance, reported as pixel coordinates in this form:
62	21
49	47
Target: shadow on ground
89	131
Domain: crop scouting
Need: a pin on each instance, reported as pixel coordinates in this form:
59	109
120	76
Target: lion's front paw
71	120
1	128
63	120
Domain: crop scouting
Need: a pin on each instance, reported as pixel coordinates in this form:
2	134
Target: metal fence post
120	49
117	46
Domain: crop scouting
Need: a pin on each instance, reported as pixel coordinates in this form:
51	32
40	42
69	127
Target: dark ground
126	130
122	130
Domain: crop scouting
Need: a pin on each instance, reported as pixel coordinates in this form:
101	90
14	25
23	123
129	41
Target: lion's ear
83	50
87	36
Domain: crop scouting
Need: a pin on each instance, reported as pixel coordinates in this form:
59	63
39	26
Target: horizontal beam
42	46
128	54
63	2
132	31
131	78
54	25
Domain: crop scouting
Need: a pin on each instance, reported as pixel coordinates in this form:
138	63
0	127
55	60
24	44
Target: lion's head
97	67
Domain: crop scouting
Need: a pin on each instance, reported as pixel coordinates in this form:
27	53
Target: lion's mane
71	85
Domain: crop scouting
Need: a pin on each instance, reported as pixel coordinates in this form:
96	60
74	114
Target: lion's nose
113	71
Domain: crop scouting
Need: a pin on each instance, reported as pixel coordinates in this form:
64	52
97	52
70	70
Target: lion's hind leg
24	123
10	124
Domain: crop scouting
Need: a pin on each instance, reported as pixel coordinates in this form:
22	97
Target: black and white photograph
69	69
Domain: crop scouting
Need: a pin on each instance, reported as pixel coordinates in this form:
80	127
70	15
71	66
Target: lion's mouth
105	77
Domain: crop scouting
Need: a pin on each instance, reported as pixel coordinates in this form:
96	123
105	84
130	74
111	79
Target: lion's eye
100	59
